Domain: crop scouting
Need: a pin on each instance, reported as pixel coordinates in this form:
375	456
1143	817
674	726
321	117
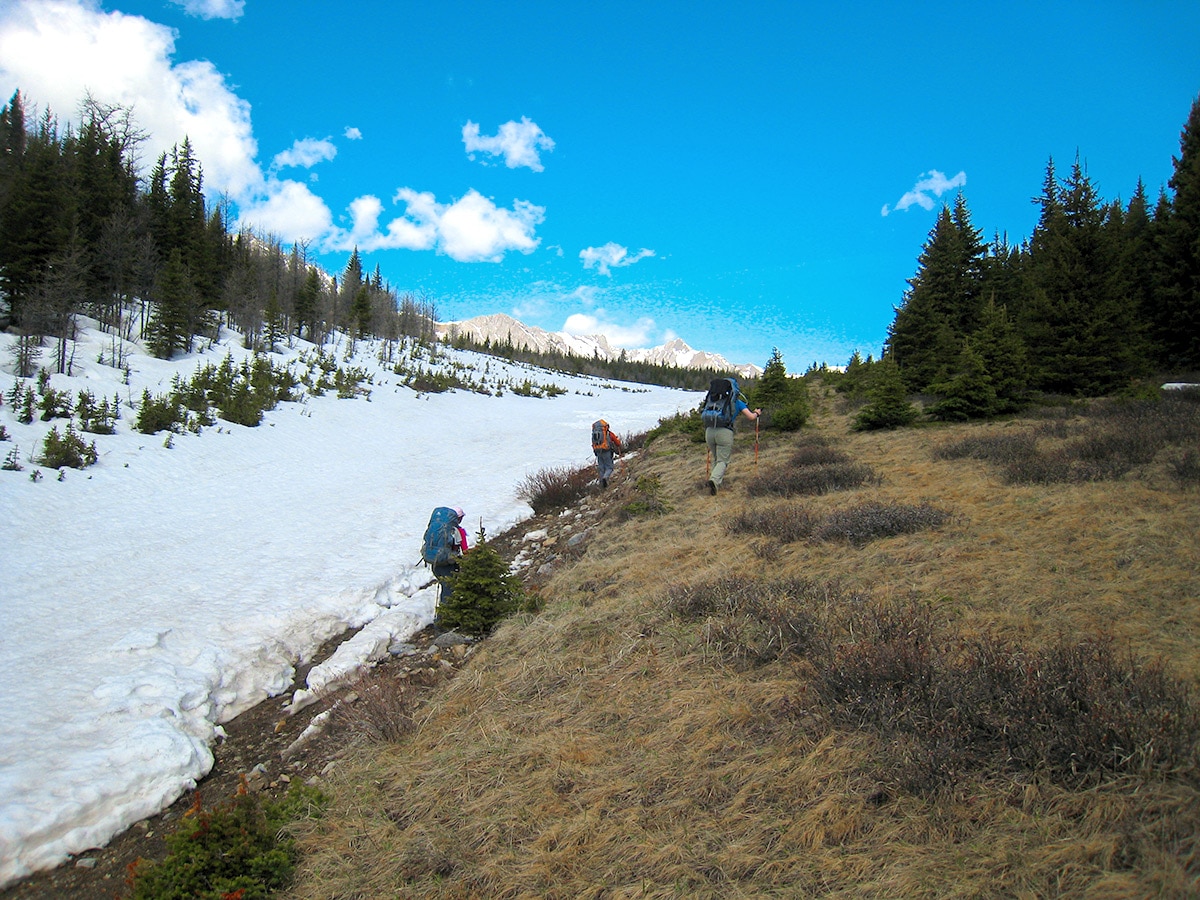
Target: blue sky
742	176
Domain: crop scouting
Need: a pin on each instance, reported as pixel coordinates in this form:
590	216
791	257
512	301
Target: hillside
664	726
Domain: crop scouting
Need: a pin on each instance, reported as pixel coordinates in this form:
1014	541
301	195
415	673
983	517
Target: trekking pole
756	443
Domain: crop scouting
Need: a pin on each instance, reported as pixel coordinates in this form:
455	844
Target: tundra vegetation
948	673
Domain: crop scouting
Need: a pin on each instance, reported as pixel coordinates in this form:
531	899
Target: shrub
239	849
786	523
648	499
997	448
1072	711
687	424
68	450
943	707
157	414
811	480
870	521
1186	467
383	712
555	488
483	592
816	452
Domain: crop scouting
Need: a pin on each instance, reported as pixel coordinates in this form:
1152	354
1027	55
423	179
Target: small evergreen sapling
483	592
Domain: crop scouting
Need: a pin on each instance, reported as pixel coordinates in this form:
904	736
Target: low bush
556	487
1099	441
866	522
944	707
811	480
785	523
997	448
383	712
647	500
687	424
69	450
240	849
817	452
1185	467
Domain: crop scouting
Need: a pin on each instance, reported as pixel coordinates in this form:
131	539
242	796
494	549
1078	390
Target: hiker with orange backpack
605	443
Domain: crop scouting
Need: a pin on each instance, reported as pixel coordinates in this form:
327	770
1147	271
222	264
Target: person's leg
722	447
606	464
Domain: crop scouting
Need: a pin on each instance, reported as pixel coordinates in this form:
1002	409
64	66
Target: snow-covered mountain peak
499	328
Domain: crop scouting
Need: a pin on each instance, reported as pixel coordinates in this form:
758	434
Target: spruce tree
941	305
174	312
483	592
1178	316
969	393
887	400
1003	357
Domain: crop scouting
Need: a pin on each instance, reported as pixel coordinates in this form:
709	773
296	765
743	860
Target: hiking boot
603	482
712	488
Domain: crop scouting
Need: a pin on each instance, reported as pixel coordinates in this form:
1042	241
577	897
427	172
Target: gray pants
604	462
720	443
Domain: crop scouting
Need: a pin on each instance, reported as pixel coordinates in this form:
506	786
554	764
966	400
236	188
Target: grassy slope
606	748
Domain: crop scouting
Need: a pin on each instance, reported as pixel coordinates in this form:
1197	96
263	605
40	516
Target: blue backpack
719	410
441	536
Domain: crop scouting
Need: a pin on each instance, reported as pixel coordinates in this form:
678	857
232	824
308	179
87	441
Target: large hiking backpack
718	410
600	439
441	535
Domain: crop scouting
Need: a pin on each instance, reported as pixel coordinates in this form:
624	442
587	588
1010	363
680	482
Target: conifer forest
1103	292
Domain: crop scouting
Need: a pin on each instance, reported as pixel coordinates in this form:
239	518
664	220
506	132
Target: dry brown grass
614	747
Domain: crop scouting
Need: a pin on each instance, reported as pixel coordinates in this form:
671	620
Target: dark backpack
600	435
718	410
441	536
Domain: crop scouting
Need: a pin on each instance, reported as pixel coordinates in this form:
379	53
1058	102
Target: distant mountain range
499	328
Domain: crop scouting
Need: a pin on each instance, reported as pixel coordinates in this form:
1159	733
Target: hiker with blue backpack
605	443
444	543
722	405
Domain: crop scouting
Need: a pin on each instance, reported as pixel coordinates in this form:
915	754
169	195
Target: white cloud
471	229
306	152
931	182
352	133
517	142
611	256
628	336
287	210
213	9
57	50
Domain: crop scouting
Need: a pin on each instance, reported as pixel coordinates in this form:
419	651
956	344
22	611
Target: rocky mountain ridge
499	328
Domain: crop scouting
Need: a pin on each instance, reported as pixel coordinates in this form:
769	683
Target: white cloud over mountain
471	229
637	335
